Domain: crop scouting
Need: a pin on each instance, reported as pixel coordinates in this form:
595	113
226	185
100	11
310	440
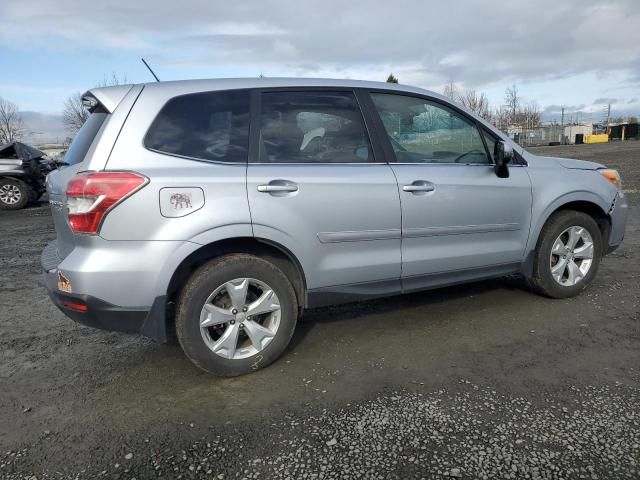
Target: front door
316	188
458	218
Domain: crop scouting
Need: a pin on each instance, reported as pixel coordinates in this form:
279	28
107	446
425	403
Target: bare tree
478	103
75	113
530	115
11	124
512	102
451	91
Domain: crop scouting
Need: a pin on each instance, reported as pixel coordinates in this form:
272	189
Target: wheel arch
281	256
585	202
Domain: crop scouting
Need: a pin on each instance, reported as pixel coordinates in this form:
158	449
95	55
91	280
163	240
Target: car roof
169	89
275	82
112	95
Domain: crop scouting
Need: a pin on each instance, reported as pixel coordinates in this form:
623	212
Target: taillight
90	196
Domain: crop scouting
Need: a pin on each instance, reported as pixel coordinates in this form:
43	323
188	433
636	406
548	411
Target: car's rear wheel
568	254
236	314
14	194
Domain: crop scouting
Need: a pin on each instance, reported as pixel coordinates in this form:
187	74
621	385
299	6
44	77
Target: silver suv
218	210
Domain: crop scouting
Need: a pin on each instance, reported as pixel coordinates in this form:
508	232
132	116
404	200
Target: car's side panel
141	216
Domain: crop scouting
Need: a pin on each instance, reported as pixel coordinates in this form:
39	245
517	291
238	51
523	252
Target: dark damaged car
23	170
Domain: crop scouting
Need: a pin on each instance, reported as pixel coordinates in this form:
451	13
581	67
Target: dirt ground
475	381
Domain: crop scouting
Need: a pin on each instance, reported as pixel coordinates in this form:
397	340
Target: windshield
84	138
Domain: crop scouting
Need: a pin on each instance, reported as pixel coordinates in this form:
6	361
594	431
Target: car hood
571	163
579	164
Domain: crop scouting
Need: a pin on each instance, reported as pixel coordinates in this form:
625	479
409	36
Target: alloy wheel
571	256
10	194
240	318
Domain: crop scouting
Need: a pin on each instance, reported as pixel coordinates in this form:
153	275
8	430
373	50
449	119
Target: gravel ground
478	381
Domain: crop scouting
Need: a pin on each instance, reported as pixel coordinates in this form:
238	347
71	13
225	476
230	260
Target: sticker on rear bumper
64	285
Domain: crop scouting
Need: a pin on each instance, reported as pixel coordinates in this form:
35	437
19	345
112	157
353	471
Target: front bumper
618	214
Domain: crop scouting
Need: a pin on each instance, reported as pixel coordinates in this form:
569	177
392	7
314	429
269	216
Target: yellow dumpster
600	138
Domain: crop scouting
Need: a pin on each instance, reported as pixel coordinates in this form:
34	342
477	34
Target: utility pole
608	114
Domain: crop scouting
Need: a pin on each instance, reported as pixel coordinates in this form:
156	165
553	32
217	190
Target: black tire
542	280
205	281
34	196
17	188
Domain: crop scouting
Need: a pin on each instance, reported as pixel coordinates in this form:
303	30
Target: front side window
491	143
210	126
312	127
421	131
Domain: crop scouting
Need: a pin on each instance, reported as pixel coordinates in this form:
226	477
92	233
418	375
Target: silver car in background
217	210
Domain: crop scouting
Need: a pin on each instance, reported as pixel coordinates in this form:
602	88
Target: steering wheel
470	152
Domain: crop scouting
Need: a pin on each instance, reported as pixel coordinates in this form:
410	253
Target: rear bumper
93	312
96	312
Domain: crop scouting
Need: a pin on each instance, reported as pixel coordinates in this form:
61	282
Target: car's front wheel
236	314
568	254
14	194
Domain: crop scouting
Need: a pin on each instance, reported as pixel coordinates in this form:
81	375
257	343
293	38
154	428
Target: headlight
613	176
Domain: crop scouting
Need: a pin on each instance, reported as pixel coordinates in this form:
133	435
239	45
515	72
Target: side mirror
503	156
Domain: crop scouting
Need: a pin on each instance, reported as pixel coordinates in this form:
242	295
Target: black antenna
147	65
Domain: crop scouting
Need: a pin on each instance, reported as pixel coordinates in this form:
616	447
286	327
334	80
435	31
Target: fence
529	137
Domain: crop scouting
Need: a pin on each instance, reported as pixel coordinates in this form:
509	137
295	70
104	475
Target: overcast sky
578	53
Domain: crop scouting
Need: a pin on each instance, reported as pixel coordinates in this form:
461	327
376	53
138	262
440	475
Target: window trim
383	135
197	159
255	125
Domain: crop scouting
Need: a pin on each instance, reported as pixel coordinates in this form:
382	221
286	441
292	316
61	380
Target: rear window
84	138
211	126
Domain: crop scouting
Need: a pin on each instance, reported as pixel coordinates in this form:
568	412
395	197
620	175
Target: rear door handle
278	186
419	187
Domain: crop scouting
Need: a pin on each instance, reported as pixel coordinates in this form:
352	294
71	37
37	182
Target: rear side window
312	127
211	126
84	138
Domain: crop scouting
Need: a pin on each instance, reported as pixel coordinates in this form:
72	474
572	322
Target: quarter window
427	132
210	126
312	127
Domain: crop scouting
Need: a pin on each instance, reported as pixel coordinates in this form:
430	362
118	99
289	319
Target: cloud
600	101
43	127
469	41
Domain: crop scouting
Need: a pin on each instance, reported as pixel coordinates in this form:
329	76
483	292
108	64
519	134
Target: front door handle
419	187
278	187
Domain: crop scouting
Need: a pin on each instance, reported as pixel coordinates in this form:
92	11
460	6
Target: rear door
316	186
458	217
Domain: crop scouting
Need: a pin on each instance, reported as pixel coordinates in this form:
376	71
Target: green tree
392	78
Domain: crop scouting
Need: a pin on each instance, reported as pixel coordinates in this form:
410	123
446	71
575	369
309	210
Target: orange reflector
77	306
613	176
